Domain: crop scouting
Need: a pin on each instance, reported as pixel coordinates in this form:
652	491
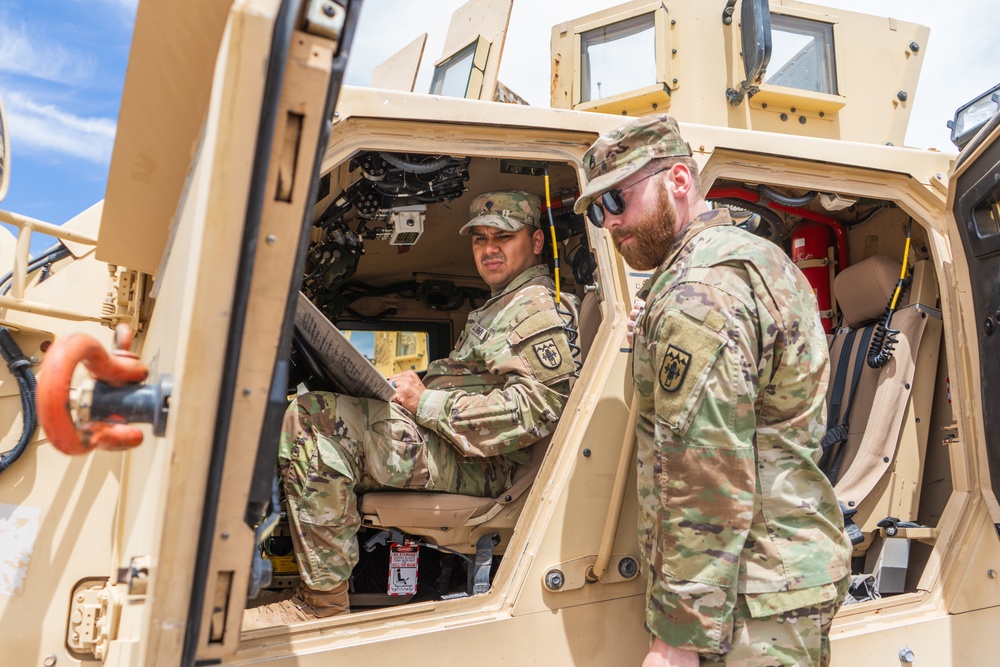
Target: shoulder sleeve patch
540	342
686	352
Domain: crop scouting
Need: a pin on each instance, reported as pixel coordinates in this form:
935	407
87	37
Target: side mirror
4	153
755	26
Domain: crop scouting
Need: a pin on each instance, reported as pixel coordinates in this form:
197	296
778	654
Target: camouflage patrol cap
625	150
509	210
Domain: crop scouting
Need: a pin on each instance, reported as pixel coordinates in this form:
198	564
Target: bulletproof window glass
618	58
451	78
986	215
802	55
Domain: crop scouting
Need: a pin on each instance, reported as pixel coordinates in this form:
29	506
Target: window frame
665	78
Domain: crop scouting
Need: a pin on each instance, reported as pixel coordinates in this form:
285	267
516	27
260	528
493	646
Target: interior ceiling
441	249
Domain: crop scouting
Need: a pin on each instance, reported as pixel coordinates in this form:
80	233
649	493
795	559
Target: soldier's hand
409	388
638	305
662	654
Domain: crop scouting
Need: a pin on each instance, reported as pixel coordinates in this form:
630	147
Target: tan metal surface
167	85
399	71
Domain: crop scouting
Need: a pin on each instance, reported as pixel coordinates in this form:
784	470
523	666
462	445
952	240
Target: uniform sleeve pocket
686	351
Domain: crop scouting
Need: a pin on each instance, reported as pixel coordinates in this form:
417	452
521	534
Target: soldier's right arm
534	357
702	343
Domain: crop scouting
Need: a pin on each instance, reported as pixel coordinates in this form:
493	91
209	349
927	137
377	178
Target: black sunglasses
612	201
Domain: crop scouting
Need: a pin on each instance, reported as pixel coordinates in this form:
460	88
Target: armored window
461	75
618	58
802	55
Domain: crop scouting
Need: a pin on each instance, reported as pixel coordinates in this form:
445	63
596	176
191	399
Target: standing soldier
742	538
463	429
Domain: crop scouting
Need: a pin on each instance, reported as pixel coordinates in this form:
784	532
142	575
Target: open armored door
974	209
226	113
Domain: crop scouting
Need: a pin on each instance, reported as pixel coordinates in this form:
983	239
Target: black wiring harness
20	368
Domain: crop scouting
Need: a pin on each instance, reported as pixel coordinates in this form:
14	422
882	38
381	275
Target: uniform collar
701	222
536	271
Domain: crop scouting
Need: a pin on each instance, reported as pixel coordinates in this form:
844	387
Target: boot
302	604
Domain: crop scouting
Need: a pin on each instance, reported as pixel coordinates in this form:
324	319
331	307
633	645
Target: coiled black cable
20	368
885	338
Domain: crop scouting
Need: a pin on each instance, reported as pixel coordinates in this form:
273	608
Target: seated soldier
464	429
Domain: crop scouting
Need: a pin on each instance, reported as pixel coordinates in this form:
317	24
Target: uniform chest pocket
686	352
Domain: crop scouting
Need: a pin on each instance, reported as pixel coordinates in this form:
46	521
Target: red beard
652	234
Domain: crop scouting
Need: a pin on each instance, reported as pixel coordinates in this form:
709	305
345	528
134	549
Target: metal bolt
225	536
901	96
50	661
822	114
988	326
627	567
554	580
906	654
586	452
329	9
247	391
673	21
508	498
673	51
784	116
802	120
991	573
675	80
914	47
271	238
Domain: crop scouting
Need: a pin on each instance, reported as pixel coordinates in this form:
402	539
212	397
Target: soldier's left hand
409	388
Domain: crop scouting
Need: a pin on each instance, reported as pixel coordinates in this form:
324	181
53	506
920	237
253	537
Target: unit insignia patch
674	368
548	354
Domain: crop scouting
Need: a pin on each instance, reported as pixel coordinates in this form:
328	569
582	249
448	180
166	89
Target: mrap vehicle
157	337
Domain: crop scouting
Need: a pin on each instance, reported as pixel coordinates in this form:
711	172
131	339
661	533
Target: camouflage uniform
741	536
501	390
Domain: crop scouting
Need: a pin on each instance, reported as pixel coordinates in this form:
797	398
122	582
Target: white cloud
32	54
36	127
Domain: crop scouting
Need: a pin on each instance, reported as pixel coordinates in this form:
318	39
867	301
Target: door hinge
93	618
124	299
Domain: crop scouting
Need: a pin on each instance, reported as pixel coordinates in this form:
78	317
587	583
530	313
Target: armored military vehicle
143	516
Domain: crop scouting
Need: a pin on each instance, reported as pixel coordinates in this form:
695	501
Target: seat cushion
414	509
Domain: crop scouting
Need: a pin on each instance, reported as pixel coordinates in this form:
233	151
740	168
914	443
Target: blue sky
62	68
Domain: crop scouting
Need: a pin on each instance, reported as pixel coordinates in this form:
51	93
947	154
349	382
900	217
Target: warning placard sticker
403	562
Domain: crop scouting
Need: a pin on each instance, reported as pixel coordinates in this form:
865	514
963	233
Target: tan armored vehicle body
231	192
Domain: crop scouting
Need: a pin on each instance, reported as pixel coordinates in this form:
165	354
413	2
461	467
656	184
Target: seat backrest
590	322
881	395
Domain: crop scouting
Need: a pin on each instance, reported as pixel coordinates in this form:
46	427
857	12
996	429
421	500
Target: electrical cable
415	167
20	368
774	195
53	254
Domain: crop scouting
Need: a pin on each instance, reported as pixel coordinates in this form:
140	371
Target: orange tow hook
104	408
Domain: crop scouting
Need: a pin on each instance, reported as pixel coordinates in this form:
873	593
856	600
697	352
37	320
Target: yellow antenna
552	229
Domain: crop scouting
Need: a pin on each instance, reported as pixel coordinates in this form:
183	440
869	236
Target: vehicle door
974	211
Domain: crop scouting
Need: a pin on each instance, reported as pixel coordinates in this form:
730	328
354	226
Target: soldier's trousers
797	638
334	447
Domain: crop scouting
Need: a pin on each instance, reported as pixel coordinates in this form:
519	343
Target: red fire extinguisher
812	252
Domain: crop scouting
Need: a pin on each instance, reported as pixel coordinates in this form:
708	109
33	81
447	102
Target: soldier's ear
537	241
680	180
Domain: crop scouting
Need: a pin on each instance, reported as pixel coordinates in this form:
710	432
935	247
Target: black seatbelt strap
837	397
844	427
